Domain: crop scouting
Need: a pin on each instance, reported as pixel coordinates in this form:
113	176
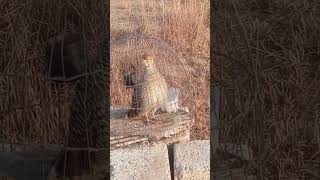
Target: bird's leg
153	113
147	119
154	119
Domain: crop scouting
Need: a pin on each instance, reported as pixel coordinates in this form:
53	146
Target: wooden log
171	128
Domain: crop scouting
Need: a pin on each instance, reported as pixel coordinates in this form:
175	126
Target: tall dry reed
184	25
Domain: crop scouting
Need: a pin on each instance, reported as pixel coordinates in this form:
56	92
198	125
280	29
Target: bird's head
147	60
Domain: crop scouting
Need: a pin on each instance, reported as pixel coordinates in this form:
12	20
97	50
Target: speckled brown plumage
150	93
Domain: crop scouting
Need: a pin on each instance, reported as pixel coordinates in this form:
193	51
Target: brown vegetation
184	25
31	111
267	60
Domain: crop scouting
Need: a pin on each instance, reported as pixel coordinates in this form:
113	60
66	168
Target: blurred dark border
265	80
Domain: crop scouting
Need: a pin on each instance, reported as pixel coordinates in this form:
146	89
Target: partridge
150	93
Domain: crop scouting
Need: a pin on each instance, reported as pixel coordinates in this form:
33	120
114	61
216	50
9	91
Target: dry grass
184	25
30	111
268	64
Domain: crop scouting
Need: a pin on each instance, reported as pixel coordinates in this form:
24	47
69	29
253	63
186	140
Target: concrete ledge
231	161
29	162
233	174
240	151
192	160
140	163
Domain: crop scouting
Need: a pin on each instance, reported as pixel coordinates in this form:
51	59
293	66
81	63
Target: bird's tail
171	104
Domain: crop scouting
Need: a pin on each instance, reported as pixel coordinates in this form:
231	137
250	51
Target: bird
150	93
170	104
87	123
66	56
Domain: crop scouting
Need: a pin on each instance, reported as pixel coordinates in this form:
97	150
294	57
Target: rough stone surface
140	163
192	160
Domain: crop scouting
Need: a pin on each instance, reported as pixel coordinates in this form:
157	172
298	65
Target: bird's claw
152	121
